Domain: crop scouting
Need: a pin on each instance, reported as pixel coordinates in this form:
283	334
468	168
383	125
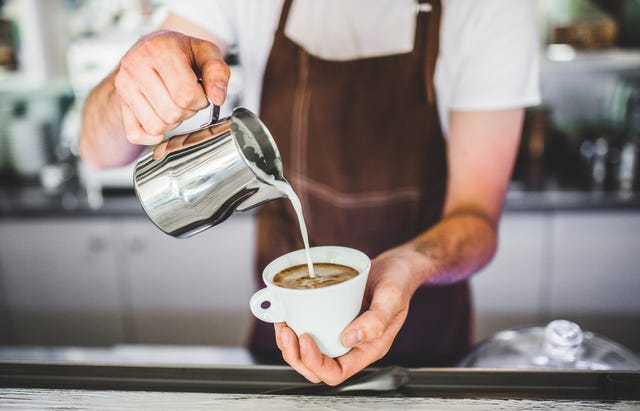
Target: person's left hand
392	281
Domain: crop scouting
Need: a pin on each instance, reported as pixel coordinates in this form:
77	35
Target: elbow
482	231
488	233
489	237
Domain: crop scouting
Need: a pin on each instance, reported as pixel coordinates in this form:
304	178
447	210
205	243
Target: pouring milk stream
287	190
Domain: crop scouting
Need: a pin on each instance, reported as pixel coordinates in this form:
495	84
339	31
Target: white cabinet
121	280
192	291
5	320
60	281
100	281
579	266
595	277
509	291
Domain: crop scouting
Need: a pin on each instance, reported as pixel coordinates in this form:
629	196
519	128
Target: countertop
33	202
142	400
131	354
570	200
138	383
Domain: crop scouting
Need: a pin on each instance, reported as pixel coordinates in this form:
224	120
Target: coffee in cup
320	310
326	274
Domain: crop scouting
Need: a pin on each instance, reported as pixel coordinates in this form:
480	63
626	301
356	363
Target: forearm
102	139
459	245
481	150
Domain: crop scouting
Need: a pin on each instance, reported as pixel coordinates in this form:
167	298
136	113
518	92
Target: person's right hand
157	83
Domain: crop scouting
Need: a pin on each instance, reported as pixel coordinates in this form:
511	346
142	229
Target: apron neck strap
428	30
284	15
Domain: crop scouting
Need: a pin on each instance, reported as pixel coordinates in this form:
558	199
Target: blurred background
81	265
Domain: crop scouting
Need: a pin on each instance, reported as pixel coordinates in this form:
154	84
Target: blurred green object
615	112
568	11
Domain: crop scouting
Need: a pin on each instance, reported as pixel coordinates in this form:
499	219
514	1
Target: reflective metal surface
560	345
194	181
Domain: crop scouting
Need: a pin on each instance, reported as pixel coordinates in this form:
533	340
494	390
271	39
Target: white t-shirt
488	56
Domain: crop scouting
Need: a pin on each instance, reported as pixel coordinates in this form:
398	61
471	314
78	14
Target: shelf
597	60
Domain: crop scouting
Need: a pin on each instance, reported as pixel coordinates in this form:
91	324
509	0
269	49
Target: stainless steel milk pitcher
204	175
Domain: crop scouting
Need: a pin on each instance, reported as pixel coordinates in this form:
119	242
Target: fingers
169	145
304	356
141	123
287	342
136	134
389	290
368	326
157	85
215	72
370	336
180	81
165	104
160	150
329	370
385	305
335	371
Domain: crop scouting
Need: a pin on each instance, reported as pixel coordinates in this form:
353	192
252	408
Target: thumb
370	325
209	61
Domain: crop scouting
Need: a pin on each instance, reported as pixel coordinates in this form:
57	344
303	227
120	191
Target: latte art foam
326	274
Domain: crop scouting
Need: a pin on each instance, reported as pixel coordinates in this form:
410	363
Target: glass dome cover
559	345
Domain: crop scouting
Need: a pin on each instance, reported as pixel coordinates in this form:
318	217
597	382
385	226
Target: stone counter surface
14	398
71	386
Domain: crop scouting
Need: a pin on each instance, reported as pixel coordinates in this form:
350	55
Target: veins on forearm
457	247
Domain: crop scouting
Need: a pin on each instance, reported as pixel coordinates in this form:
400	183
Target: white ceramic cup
323	312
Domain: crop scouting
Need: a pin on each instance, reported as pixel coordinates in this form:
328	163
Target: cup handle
272	313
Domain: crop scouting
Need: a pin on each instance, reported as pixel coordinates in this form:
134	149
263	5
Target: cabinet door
596	273
509	291
60	282
5	322
190	291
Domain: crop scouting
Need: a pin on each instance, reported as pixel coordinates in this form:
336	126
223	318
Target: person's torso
475	38
362	146
360	139
332	30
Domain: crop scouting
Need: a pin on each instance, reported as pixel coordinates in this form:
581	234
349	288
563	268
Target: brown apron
362	146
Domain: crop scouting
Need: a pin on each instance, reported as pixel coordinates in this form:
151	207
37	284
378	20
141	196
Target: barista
398	127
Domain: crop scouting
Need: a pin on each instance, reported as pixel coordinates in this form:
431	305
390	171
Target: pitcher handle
200	120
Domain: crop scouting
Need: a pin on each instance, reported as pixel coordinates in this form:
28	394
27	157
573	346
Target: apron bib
362	146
